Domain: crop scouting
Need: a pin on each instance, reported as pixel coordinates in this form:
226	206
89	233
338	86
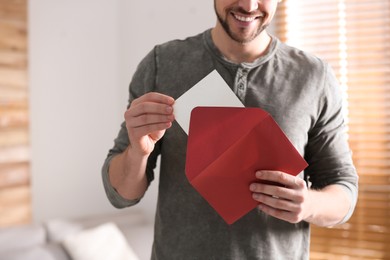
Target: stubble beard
233	35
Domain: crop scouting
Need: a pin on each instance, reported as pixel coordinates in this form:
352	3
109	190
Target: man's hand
287	197
288	201
147	119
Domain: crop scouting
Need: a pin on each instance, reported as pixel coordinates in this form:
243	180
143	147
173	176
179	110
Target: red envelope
226	146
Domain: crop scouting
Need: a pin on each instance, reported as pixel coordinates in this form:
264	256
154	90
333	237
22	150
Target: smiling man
297	89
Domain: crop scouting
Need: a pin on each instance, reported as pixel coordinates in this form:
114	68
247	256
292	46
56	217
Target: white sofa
59	239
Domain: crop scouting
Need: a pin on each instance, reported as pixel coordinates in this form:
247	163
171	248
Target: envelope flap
213	130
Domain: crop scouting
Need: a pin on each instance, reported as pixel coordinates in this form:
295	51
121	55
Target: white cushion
105	242
58	229
20	237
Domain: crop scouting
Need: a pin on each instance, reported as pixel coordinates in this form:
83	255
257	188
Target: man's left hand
281	195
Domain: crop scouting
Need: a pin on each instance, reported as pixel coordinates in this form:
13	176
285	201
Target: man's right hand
147	119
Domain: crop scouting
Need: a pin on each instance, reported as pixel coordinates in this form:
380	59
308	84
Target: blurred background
64	71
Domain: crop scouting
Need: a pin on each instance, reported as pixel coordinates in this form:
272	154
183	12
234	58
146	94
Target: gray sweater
302	95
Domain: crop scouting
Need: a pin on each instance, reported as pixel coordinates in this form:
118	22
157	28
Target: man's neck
240	52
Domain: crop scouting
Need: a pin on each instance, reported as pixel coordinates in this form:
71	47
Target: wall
82	54
73	91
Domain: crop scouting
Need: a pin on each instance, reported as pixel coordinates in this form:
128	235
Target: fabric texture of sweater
302	95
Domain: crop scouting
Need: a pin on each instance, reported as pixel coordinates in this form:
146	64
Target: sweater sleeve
327	151
143	81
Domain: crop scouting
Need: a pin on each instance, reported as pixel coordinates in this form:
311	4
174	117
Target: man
297	89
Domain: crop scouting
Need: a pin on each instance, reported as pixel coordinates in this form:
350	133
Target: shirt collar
250	65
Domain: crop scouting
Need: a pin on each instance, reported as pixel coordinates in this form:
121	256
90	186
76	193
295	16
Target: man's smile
243	18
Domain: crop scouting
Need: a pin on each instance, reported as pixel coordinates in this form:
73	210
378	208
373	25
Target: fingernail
252	187
169	109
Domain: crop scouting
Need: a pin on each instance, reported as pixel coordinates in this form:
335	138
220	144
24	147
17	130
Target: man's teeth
244	19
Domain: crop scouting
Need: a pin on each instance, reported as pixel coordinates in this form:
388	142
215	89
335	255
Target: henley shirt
297	89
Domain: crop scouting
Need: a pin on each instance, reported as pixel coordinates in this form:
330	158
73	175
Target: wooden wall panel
13	10
14	174
15	197
15	205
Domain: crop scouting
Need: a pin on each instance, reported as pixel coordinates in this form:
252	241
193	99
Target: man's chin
245	39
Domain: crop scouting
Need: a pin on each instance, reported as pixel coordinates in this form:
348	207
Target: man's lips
246	18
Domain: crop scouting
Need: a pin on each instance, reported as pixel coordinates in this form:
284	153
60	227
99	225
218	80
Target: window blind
354	37
15	204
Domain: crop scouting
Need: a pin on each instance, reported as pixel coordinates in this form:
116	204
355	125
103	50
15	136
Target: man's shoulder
180	46
299	57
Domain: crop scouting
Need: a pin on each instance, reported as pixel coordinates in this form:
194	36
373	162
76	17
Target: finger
282	178
287	193
149	119
272	190
154	131
280	214
148	108
274	176
155	98
276	202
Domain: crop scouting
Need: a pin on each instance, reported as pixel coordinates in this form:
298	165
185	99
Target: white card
211	91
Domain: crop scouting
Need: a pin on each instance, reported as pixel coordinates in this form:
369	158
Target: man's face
244	20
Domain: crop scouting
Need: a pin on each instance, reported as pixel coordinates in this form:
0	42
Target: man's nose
248	5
